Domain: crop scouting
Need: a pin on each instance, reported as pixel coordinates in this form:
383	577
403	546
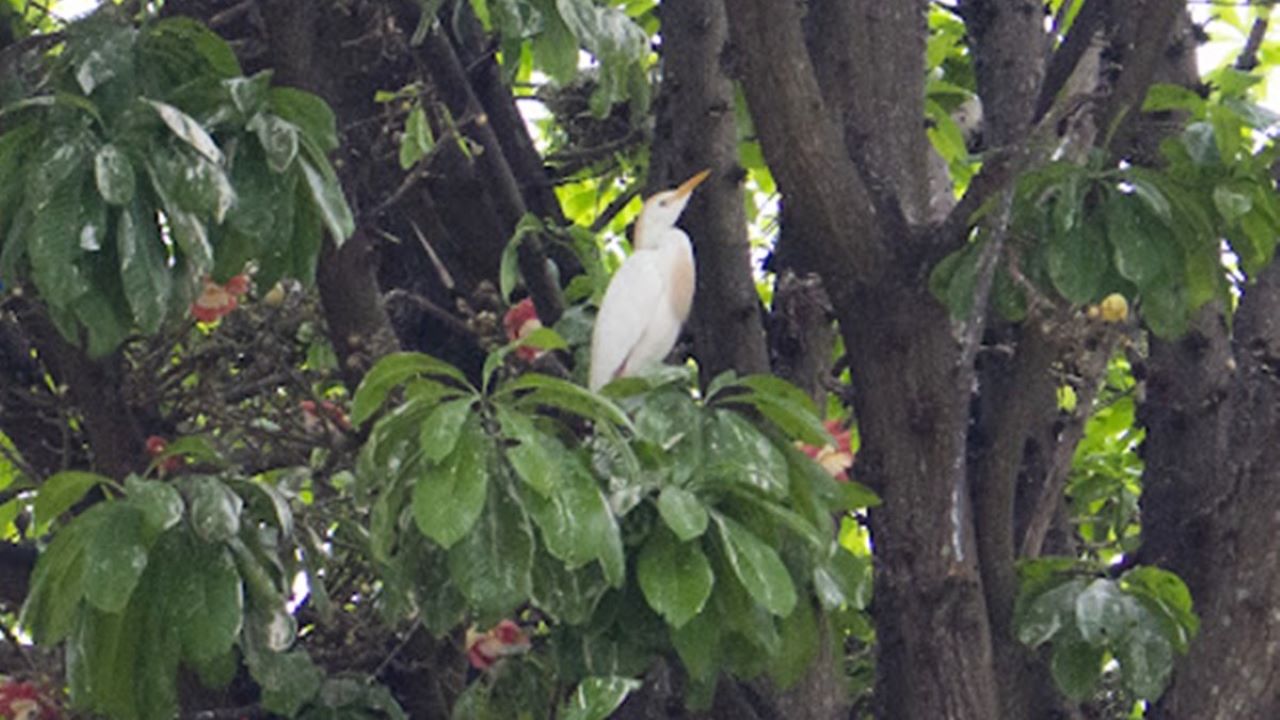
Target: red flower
156	446
216	300
25	701
326	413
519	321
503	640
835	459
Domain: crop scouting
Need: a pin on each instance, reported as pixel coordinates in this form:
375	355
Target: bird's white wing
630	304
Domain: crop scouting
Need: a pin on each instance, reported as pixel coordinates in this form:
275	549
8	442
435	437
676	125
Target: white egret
649	297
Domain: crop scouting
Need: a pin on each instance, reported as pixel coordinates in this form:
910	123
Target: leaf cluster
148	162
631	524
194	573
1138	620
1081	232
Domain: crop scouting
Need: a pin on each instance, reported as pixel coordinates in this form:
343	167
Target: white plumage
649	297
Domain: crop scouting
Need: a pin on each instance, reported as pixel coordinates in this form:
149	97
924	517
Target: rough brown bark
728	334
881	111
910	383
1211	503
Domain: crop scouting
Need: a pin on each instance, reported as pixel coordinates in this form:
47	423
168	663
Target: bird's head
663	209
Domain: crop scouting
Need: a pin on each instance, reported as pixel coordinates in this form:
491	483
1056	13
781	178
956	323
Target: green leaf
739	453
417	141
310	113
492	565
394	370
1076	667
215	509
1104	613
278	138
1043	617
675	576
698	644
597	697
1231	202
288	680
161	505
1146	661
116	558
208	597
537	457
683	512
57	585
326	193
577	524
1077	261
192	35
449	497
1138	254
1167	96
56	242
567	596
114	175
800	640
187	129
564	395
58	493
758	566
443	427
144	270
1171	598
843	580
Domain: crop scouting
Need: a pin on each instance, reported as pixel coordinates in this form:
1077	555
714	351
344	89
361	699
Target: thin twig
1248	59
395	651
619	204
453	323
446	278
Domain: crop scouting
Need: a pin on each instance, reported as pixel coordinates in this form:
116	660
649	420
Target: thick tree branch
869	59
1142	32
804	147
1008	41
1088	22
728	334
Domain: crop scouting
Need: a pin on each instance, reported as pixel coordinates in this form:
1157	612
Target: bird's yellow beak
687	186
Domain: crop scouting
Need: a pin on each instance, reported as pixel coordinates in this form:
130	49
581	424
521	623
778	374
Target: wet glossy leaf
492	565
1041	618
114	175
58	493
449	497
1076	667
537	457
1146	661
215	509
187	129
115	559
737	452
597	697
278	138
393	370
443	427
675	576
326	194
683	512
144	271
160	503
1077	261
758	566
1103	613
